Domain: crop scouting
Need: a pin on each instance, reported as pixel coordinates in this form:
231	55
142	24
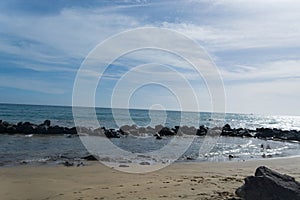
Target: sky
254	44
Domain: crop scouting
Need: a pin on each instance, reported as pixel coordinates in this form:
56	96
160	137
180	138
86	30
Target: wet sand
96	181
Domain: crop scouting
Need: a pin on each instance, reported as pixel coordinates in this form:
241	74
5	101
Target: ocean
56	149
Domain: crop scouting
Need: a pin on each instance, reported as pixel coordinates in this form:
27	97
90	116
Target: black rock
202	130
47	122
90	158
144	163
56	130
227	131
68	164
269	185
165	131
158	137
122	165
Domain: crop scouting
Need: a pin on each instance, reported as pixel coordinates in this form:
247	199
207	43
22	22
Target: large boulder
202	130
26	128
269	185
165	131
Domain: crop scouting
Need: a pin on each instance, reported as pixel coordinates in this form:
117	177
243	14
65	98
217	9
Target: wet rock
216	131
144	163
2	127
157	135
188	130
47	122
202	130
121	132
125	128
150	130
165	131
56	130
11	129
176	129
158	128
89	158
26	128
71	131
269	185
132	130
122	165
68	164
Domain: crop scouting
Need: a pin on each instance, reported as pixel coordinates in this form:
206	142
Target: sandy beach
96	181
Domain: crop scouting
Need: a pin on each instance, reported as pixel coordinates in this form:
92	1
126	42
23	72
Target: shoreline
178	181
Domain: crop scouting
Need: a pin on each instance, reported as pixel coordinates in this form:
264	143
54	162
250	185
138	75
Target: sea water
45	149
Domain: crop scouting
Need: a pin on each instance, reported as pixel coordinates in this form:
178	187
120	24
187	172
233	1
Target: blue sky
255	44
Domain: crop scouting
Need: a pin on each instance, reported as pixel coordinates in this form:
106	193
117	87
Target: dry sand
178	181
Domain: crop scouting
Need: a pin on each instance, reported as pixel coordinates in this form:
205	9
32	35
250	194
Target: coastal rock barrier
158	131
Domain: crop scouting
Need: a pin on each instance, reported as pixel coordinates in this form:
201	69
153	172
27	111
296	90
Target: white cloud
73	32
54	40
282	69
269	88
246	24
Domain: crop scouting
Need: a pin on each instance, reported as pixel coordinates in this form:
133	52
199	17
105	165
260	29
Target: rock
56	130
142	130
269	185
41	129
11	129
71	131
123	165
150	130
111	133
120	131
202	130
47	122
158	128
165	131
158	137
144	163
68	164
90	158
2	128
216	131
188	130
175	129
227	130
125	128
264	133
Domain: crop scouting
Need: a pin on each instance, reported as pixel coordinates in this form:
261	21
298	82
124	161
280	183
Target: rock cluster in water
269	185
158	131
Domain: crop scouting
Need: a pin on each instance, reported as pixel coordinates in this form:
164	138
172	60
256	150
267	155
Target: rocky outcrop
269	185
158	131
